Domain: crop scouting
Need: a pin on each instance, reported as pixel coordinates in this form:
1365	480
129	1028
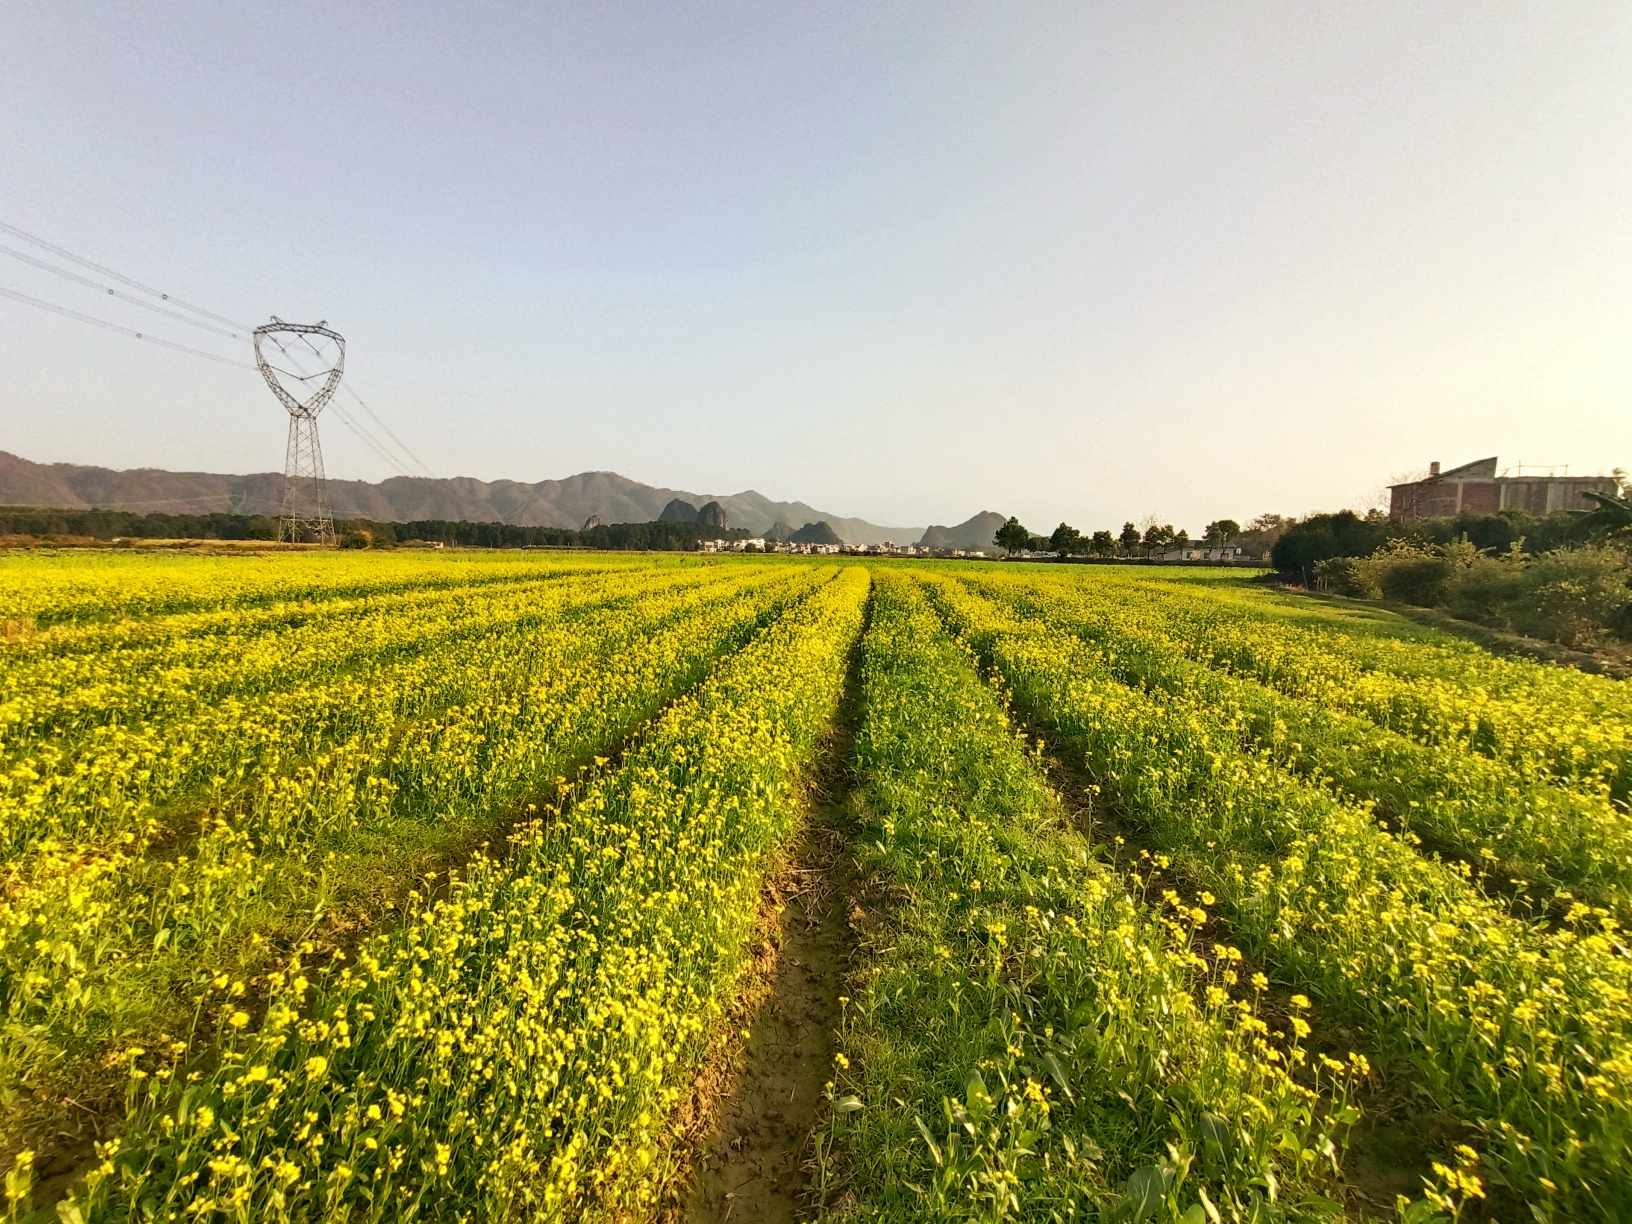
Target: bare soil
746	1137
754	1163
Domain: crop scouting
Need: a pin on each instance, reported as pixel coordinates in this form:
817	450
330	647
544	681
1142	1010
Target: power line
120	294
361	431
64	253
298	372
401	445
356	426
346	419
114	327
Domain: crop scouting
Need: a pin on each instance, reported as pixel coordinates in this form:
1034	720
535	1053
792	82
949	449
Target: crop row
1479	808
1522	1031
80	733
158	734
189	628
1039	1042
120	936
69	680
1549	721
516	1046
41	592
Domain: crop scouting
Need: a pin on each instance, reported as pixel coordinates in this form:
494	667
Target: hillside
548	503
972	533
815	533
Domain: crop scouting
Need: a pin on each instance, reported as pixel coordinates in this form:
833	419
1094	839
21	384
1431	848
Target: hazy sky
906	261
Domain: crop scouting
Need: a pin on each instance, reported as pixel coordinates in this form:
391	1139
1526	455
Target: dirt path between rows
755	1163
758	1101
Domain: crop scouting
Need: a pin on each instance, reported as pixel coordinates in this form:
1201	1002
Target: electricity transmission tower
305	516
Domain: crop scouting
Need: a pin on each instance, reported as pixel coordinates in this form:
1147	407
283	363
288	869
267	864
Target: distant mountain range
548	503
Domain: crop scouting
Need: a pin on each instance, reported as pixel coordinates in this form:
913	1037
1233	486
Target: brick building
1475	488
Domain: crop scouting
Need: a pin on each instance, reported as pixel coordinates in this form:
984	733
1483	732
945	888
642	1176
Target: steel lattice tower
305	516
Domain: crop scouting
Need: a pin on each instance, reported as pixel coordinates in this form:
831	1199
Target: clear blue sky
906	261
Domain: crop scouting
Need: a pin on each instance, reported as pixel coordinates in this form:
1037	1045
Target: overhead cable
356	426
124	331
118	293
401	445
350	424
369	440
346	419
64	253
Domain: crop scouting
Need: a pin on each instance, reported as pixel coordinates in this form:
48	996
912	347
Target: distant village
986	536
1471	489
769	544
762	544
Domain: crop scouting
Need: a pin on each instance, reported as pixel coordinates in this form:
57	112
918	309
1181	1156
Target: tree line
1153	540
90	525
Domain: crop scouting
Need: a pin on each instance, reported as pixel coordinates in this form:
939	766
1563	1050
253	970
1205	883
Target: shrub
1574	596
1367	576
1342	576
1421	581
1482	587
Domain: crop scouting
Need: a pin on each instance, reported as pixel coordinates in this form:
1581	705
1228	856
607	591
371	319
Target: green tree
1065	540
1158	537
1129	538
1103	544
1012	536
1221	531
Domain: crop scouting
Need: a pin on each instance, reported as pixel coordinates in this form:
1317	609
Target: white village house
1204	552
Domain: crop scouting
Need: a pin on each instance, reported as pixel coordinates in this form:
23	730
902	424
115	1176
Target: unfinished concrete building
1475	488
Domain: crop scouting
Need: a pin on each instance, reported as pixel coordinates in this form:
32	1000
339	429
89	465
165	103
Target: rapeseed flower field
423	887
